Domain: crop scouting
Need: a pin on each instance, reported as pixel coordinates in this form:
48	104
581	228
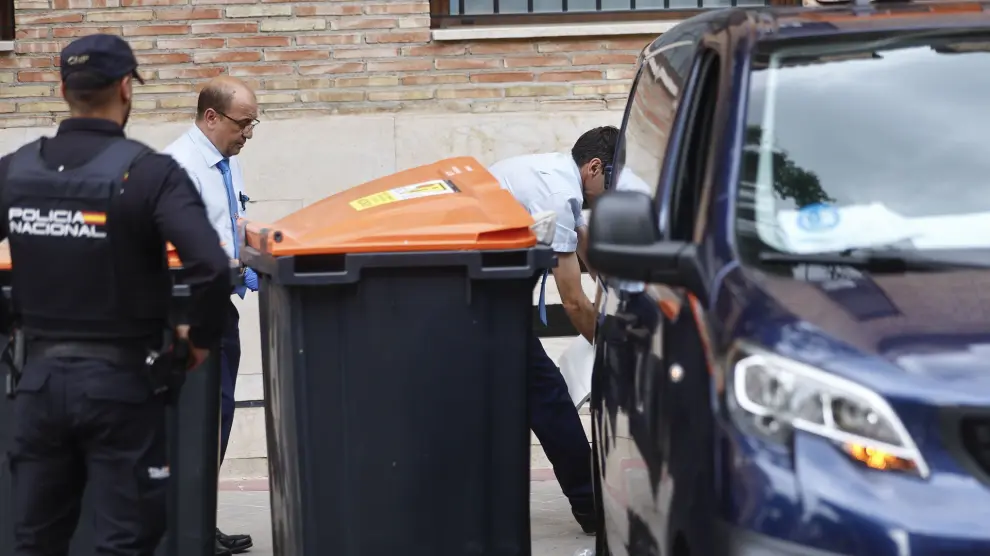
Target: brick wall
325	57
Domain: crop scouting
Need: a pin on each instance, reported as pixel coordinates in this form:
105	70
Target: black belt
113	353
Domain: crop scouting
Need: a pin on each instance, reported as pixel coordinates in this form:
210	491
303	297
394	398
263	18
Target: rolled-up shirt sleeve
549	182
569	218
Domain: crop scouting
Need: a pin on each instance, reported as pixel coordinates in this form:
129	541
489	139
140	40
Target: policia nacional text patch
57	222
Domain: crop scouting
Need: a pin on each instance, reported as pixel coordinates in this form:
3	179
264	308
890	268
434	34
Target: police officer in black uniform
88	214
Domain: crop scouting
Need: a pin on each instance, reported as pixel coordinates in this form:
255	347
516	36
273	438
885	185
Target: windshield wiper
888	261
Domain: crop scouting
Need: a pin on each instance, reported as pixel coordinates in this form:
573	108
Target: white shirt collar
205	147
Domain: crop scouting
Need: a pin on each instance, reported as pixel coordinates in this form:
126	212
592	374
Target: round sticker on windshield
818	218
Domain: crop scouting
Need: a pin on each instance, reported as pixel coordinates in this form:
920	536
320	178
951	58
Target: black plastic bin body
193	431
397	412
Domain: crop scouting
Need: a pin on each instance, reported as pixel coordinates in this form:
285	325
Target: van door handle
630	326
613	328
639	334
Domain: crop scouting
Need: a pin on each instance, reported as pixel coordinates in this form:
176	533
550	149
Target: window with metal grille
6	20
446	13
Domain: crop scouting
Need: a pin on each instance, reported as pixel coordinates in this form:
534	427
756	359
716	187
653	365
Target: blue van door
685	390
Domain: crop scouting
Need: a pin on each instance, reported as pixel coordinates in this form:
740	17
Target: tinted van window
651	110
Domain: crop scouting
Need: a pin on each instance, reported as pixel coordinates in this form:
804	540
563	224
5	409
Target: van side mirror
624	242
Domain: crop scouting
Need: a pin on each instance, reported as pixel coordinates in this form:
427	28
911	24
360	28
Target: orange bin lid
453	204
173	257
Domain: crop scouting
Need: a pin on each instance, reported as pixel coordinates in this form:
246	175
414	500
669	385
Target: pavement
243	507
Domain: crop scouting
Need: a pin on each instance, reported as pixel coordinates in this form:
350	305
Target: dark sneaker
236	544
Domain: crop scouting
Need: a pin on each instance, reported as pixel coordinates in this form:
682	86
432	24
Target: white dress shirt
194	152
542	182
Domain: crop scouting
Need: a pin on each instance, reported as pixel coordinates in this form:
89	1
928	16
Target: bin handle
303	270
257	234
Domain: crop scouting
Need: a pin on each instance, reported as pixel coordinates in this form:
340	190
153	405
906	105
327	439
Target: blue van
793	350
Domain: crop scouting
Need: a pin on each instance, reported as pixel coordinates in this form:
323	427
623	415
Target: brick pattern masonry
317	57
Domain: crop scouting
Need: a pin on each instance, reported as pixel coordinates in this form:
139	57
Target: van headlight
780	394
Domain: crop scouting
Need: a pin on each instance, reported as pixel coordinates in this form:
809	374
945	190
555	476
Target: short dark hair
87	100
597	143
216	97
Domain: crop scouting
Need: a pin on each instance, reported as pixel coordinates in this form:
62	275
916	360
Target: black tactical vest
65	275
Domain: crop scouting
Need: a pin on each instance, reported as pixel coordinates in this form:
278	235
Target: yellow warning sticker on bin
404	193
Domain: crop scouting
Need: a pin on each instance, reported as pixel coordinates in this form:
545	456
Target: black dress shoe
221	550
236	544
587	521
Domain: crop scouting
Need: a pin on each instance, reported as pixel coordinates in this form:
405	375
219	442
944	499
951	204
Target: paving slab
554	531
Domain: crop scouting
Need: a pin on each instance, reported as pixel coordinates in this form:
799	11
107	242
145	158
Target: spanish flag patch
97	218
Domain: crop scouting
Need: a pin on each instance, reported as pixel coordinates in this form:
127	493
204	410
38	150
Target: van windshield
882	143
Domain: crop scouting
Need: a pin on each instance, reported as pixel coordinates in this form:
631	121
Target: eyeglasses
245	124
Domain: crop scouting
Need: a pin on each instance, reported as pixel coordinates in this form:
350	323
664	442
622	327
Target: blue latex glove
251	279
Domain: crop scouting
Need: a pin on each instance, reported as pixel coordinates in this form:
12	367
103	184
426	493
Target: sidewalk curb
260	484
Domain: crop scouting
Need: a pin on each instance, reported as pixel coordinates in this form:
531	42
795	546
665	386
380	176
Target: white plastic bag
576	364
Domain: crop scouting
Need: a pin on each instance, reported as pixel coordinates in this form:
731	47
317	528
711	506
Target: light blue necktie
543	297
228	182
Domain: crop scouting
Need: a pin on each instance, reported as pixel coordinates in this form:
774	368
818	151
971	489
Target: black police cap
95	61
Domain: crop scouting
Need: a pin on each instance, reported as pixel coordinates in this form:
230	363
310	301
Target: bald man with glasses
226	116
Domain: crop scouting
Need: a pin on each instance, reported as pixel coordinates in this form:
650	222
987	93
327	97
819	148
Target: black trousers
555	421
230	362
82	423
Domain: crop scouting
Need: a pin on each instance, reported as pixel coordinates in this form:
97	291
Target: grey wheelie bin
193	426
395	320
